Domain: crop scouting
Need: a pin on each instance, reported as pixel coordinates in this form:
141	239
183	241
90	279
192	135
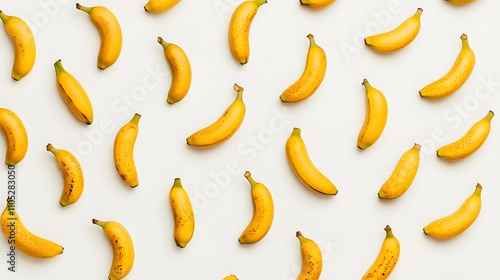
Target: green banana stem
52	149
135	119
260	2
83	8
4	17
59	67
248	175
99	223
177	183
296	131
301	238
163	43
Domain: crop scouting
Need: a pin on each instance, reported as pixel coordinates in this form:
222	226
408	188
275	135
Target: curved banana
263	213
25	241
456	76
183	214
375	118
403	175
230	277
24	45
460	2
312	259
181	71
239	29
316	4
73	94
302	166
460	220
224	127
397	38
160	6
470	142
123	151
72	173
110	32
123	248
311	78
387	258
15	134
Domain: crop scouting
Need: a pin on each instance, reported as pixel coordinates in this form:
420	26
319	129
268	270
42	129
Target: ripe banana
316	4
123	248
25	241
397	38
239	29
110	32
403	174
230	277
160	6
123	151
375	118
387	258
183	214
311	78
263	213
181	71
15	134
456	76
457	222
24	45
312	259
72	173
470	142
460	2
302	166
73	94
224	127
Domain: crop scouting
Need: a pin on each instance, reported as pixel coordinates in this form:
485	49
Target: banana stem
478	189
465	41
299	235
260	2
296	131
99	223
4	17
312	42
367	85
163	43
490	115
59	67
135	119
248	175
83	8
52	149
177	183
388	232
239	90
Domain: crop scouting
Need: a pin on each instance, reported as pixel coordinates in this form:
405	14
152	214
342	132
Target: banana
110	32
460	220
123	248
316	4
15	134
24	45
181	71
123	151
397	38
239	29
375	118
224	127
470	142
73	94
263	213
183	214
403	175
72	173
460	2
24	240
302	166
387	258
456	77
160	6
311	77
312	259
230	277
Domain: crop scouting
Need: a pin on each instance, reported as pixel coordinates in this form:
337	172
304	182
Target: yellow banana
470	142
311	77
230	277
183	214
316	4
456	76
24	45
403	174
375	118
72	173
123	248
181	71
15	134
110	32
397	38
460	2
302	166
73	94
123	151
460	220
312	259
239	29
224	127
263	213
387	258
160	6
24	240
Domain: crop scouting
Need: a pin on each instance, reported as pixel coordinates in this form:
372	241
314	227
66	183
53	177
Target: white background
348	227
